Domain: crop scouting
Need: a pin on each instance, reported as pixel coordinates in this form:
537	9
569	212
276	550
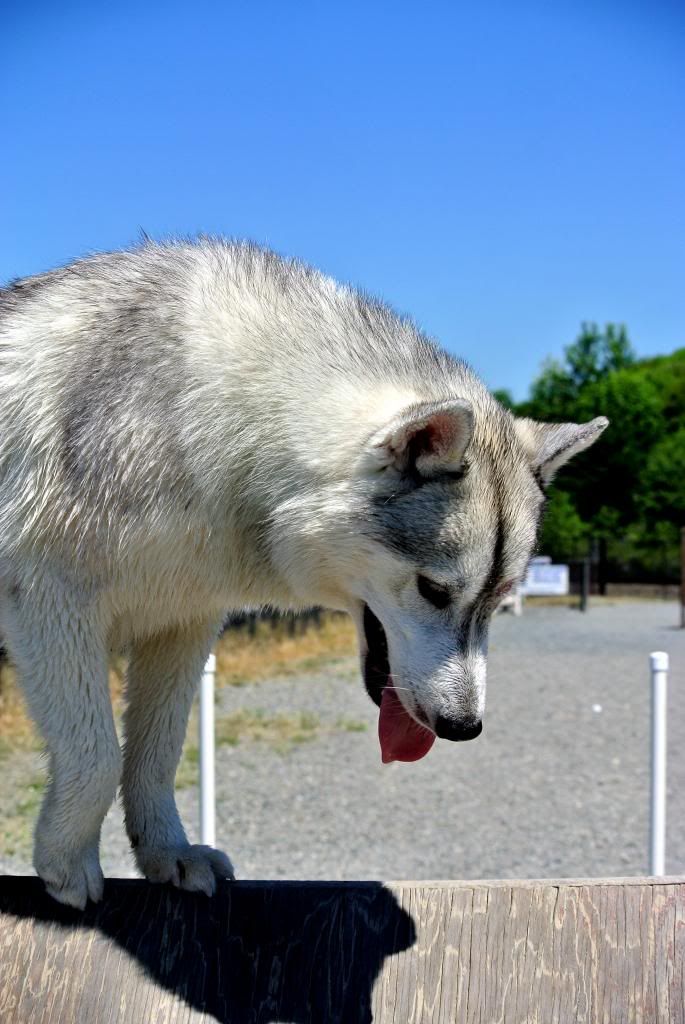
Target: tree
564	535
629	489
504	397
610	473
667	374
662	481
593	355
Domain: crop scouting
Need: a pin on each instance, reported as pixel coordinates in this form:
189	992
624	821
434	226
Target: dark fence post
584	584
602	566
682	578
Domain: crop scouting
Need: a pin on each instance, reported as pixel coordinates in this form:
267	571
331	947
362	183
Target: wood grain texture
570	952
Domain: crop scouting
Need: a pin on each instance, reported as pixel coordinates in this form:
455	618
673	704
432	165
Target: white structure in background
658	663
207	767
545	579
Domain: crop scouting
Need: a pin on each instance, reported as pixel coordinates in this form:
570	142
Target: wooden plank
571	952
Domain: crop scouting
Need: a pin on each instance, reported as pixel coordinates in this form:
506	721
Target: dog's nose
452	729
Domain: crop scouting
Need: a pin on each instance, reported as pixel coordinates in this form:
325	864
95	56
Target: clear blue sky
501	171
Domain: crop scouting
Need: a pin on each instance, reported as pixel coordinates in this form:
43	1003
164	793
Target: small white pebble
597	708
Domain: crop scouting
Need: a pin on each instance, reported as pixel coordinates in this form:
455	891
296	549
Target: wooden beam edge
31	881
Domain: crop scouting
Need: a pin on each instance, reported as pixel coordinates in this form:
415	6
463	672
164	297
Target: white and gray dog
191	428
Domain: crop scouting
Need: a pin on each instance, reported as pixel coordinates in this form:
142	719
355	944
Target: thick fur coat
187	429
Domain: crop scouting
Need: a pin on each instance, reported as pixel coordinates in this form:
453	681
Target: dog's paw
71	879
194	868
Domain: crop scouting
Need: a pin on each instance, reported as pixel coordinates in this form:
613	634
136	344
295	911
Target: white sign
544	580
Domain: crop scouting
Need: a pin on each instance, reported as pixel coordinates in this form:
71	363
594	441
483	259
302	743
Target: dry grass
280	733
16	825
241	660
272	652
17	731
573	600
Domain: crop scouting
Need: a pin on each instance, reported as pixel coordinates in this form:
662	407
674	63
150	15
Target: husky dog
191	428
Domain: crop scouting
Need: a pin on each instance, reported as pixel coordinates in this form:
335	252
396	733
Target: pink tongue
402	739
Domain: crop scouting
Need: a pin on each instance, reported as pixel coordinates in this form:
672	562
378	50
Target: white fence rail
658	662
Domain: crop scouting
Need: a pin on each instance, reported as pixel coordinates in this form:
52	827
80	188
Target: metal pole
207	798
658	661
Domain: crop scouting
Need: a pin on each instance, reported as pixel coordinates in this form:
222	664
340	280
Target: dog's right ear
425	440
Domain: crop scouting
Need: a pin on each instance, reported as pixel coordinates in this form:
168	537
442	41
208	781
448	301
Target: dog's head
456	498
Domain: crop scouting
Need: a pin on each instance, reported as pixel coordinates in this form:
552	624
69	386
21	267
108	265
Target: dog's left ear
425	440
550	445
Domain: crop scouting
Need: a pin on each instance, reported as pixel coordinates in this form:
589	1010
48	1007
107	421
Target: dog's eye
438	595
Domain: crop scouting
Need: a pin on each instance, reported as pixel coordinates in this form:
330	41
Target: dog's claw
192	868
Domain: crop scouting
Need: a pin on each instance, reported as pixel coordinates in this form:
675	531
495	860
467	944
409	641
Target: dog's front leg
56	639
163	675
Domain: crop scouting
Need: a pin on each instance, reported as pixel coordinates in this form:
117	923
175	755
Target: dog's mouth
376	662
402	738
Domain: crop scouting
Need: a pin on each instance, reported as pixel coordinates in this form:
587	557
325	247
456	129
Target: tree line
626	496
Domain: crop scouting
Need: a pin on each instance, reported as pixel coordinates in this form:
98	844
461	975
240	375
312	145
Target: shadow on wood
569	952
256	952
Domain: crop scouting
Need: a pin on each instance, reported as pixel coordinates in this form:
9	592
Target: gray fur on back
141	384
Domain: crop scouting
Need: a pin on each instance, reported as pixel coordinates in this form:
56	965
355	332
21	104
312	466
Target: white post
207	799
658	661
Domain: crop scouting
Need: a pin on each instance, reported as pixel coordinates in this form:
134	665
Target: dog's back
159	401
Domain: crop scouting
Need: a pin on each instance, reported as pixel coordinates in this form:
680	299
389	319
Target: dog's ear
424	440
550	445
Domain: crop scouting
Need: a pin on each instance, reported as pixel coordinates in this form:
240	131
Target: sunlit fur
188	429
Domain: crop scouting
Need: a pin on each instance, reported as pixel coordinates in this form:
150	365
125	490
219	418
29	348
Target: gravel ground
556	786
